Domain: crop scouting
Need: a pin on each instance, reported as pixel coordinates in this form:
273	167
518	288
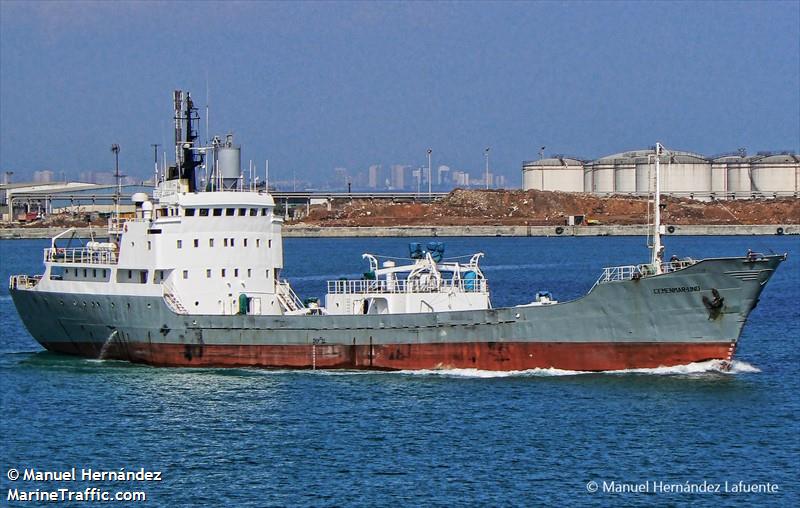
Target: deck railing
344	287
628	272
80	256
23	281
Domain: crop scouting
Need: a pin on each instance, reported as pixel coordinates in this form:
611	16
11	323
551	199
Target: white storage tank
686	174
563	174
738	178
719	173
645	173
775	175
625	175
603	174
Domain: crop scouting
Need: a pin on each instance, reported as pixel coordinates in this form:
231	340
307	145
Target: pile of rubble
467	207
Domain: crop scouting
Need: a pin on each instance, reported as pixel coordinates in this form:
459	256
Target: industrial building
683	174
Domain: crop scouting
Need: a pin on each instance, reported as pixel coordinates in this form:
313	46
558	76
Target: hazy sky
313	86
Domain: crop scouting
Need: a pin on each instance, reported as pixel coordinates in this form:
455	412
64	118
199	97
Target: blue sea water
242	437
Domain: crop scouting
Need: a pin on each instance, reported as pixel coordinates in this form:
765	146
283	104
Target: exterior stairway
288	298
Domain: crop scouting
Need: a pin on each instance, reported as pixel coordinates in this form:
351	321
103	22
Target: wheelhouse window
189	212
242	212
217	212
253	212
230	212
204	212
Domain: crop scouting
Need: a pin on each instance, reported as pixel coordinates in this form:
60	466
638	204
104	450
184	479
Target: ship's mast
186	155
657	248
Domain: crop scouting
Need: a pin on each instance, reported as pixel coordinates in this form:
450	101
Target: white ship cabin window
269	244
245	242
210	242
161	212
84	272
196	242
249	272
217	212
225	242
208	273
149	245
230	212
189	212
186	274
132	276
242	212
180	244
222	272
204	212
253	212
258	242
235	272
94	273
233	242
264	211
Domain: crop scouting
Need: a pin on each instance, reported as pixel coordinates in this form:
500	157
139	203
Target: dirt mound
469	207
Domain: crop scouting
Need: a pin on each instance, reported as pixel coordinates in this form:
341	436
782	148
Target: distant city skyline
314	86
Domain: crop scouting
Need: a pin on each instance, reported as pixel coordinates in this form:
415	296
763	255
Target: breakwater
302	231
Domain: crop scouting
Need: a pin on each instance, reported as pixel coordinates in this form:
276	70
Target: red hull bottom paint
502	356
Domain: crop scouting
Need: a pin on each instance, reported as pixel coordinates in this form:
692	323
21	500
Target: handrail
80	255
344	287
628	272
23	281
286	291
171	298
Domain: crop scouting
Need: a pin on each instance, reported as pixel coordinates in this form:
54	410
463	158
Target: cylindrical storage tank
625	175
719	175
603	176
229	164
554	174
775	175
645	175
686	175
738	179
588	182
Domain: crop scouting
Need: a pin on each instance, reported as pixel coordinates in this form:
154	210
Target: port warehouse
683	174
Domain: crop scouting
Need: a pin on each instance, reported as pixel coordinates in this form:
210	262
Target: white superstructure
209	243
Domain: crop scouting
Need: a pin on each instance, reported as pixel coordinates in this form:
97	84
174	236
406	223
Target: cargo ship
193	279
